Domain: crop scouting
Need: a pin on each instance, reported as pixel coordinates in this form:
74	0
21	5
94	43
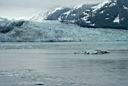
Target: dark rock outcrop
109	14
74	14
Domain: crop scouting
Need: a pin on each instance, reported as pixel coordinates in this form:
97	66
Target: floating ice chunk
93	52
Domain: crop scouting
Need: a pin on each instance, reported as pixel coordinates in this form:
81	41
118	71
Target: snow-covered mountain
67	14
109	14
40	17
74	14
55	14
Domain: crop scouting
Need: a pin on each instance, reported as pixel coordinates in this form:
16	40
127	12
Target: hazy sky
27	8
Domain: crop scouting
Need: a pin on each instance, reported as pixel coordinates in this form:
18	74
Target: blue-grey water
55	64
29	61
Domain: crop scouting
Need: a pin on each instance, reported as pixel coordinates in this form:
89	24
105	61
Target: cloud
26	8
44	3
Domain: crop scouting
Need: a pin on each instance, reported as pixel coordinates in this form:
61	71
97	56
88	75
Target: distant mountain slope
40	17
74	14
112	14
56	13
109	14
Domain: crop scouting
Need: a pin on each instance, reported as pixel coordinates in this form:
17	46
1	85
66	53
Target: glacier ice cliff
8	25
54	31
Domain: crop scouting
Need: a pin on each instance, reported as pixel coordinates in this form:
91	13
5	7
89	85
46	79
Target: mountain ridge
108	14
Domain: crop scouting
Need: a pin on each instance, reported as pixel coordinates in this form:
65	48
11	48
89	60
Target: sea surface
39	63
55	64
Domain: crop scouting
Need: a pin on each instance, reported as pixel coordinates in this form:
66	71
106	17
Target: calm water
54	64
26	60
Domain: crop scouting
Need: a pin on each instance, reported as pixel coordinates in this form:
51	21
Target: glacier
62	24
55	31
